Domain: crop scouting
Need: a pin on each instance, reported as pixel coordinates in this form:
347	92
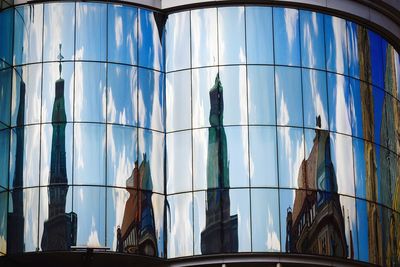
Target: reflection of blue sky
177	41
352	41
116	201
199	219
30	202
359	167
377	55
356	109
7	22
362	227
335	39
378	97
5	93
240	206
4	155
200	152
348	206
286	201
158	202
238	164
312	39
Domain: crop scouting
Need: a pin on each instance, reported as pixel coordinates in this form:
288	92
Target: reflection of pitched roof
130	213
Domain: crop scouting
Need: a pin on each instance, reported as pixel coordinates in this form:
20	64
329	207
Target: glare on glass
5	95
339	103
336	45
4	157
177	41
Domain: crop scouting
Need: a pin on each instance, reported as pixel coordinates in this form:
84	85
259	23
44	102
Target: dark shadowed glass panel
315	102
122	164
122	94
360	164
91	31
5	95
90	92
151	39
259	40
290	156
204	37
179	162
335	45
89	154
387	188
231	35
379	122
23	215
358	106
58	91
28	27
26	95
151	160
376	57
122	34
339	104
263	156
288	96
177	41
3	222
261	94
392	111
59	26
151	99
312	39
4	157
24	156
178	100
286	36
265	220
355	42
179	225
6	33
89	208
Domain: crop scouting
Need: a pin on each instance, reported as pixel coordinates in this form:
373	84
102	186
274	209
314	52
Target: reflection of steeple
220	234
60	229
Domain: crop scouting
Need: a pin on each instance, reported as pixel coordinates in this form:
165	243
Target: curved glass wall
174	136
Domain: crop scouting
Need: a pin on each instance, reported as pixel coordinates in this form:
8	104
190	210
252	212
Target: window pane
122	165
5	95
58	92
355	41
89	154
234	156
376	57
259	35
286	36
379	119
358	91
360	175
231	35
91	27
178	100
204	37
263	162
4	158
6	33
339	104
315	99
261	95
90	92
151	39
348	206
122	34
335	44
312	39
392	110
3	222
177	41
122	94
28	27
202	146
59	26
179	162
288	96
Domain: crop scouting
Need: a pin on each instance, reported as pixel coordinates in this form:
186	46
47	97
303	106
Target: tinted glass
360	172
6	33
236	170
339	104
312	39
335	44
358	92
3	222
202	146
354	37
376	57
4	157
5	95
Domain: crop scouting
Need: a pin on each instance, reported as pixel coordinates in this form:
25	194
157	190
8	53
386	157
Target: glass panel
26	94
202	147
233	100
58	92
231	34
234	156
376	57
24	157
3	222
386	187
23	216
89	154
261	95
57	222
392	111
312	39
4	159
179	162
28	27
290	156
151	99
392	71
355	41
91	29
357	94
158	202
259	35
360	164
265	222
59	26
339	104
379	122
90	92
288	96
6	33
204	82
315	101
56	154
178	101
335	44
5	95
180	225
122	165
204	37
151	159
122	94
89	209
349	236
151	39
177	41
122	34
286	36
263	162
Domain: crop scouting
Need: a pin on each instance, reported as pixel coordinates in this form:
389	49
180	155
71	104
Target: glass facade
173	135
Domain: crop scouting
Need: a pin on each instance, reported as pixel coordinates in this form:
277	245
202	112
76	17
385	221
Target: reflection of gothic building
220	233
137	233
60	229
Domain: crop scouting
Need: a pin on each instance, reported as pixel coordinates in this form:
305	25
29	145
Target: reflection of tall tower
220	234
60	229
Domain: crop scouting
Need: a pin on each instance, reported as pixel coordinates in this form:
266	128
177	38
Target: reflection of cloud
291	17
341	108
310	28
181	226
119	197
204	35
93	240
292	153
316	97
272	241
343	160
340	42
31	161
283	114
118	29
